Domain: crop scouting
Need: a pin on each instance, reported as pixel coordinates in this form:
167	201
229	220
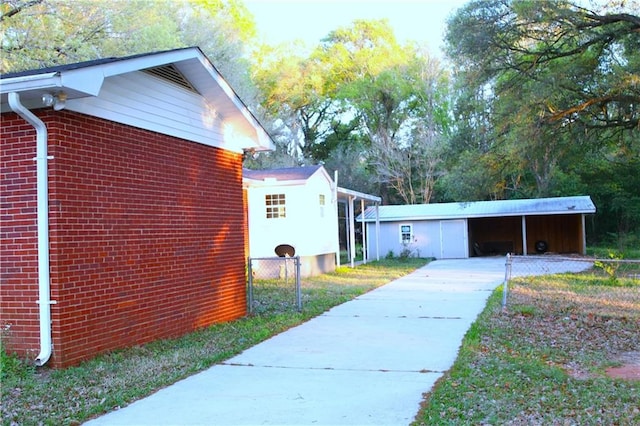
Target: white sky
311	20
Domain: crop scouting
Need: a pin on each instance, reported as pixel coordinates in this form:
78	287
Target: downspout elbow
44	289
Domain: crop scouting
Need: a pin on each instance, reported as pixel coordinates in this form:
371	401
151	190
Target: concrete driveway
365	362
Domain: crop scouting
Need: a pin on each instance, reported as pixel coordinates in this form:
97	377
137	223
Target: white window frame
275	206
322	202
402	233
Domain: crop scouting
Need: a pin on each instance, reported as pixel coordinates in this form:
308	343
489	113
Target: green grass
543	360
73	395
606	252
344	255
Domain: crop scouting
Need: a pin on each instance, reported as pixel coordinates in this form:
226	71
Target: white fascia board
325	174
474	216
89	80
30	82
264	141
357	194
86	81
148	61
255	183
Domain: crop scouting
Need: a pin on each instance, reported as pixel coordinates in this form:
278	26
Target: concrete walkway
365	362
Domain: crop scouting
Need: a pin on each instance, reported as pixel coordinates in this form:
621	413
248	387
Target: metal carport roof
474	209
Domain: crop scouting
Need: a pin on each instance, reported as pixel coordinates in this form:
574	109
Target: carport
482	228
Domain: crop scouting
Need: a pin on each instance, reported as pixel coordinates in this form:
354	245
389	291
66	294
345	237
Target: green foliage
543	99
55	32
361	99
545	106
13	367
609	268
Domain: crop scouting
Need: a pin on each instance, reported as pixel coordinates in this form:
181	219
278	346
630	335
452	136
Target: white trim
400	232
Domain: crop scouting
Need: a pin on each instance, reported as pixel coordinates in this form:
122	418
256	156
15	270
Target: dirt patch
630	369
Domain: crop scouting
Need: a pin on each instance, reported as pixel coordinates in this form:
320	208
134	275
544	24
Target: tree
399	97
294	90
523	40
551	93
40	33
403	114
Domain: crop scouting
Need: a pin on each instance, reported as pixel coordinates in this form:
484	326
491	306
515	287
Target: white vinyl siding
148	102
302	228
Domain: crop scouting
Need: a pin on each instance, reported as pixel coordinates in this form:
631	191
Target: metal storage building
477	228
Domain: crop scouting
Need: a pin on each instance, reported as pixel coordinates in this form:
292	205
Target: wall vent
171	74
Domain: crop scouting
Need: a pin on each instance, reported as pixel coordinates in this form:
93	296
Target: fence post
250	281
507	277
298	291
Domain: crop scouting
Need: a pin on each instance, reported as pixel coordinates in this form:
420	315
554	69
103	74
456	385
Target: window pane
275	206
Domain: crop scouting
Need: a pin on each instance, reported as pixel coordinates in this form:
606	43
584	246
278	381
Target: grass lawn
73	395
543	361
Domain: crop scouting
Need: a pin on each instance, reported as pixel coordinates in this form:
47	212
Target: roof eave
358	195
242	125
477	216
273	182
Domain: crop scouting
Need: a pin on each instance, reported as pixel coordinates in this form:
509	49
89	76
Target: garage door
453	239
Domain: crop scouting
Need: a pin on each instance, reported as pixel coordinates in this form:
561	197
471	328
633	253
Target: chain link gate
273	284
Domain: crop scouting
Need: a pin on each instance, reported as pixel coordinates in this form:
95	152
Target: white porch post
337	212
524	235
352	233
365	251
377	231
347	230
584	237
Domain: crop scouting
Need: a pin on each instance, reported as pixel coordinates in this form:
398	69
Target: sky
280	21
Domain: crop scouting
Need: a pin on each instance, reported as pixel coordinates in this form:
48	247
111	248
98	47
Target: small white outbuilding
298	207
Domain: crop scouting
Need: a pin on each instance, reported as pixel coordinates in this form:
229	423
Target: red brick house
122	217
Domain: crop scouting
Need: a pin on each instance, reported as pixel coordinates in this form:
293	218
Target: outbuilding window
322	204
275	206
406	233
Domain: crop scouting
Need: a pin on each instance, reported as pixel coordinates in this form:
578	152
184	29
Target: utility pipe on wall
42	189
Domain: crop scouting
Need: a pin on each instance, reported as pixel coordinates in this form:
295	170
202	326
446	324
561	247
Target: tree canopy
41	33
362	89
591	57
547	92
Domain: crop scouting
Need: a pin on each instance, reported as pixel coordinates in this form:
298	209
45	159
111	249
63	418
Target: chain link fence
273	284
613	270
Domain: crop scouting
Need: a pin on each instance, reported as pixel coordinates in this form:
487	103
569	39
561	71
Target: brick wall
147	236
19	322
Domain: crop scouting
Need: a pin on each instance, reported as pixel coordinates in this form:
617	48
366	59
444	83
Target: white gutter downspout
42	189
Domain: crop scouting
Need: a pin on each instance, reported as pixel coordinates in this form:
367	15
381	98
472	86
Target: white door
453	239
